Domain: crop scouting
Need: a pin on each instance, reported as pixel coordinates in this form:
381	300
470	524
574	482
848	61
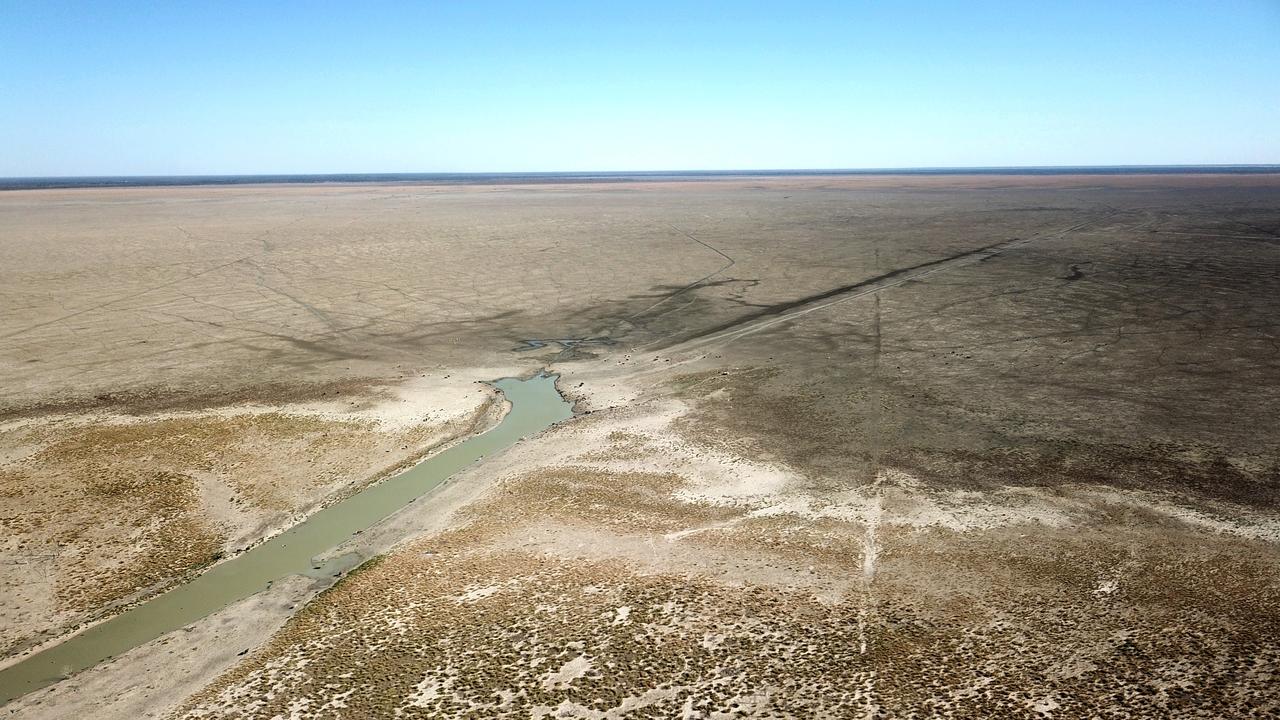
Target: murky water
535	406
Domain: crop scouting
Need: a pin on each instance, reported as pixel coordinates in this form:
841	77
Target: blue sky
106	88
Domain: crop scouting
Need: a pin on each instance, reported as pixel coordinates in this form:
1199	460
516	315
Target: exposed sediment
838	458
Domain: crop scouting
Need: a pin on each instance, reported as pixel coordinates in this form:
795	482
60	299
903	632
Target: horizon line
74	181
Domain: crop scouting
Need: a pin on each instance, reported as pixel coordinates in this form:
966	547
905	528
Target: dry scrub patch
709	586
100	511
1191	471
574	591
627	502
1131	621
612	618
434	632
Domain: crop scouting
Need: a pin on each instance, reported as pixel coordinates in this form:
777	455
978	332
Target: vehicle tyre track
783	312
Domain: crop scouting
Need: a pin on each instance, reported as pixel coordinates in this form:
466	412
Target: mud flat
995	446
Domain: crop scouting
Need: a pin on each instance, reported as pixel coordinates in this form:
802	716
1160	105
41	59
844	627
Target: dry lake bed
840	447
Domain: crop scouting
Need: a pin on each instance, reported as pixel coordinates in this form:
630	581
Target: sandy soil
849	447
102	510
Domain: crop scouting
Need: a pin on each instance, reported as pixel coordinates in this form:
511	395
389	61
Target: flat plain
845	446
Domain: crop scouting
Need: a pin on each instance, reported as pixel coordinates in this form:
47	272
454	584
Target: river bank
894	446
311	548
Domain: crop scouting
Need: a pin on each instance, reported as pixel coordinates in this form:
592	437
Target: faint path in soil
784	312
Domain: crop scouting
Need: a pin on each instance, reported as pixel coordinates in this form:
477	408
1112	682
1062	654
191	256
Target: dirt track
996	445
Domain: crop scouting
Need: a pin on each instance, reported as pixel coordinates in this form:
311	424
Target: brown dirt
1038	484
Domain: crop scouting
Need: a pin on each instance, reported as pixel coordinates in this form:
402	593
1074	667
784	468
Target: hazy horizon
17	182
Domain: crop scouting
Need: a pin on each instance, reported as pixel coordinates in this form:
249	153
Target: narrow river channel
535	405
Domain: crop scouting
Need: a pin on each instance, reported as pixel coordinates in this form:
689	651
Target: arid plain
844	446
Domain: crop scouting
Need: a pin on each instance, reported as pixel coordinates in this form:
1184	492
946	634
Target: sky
171	88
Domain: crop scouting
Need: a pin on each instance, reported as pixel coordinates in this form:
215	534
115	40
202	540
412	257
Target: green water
535	405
